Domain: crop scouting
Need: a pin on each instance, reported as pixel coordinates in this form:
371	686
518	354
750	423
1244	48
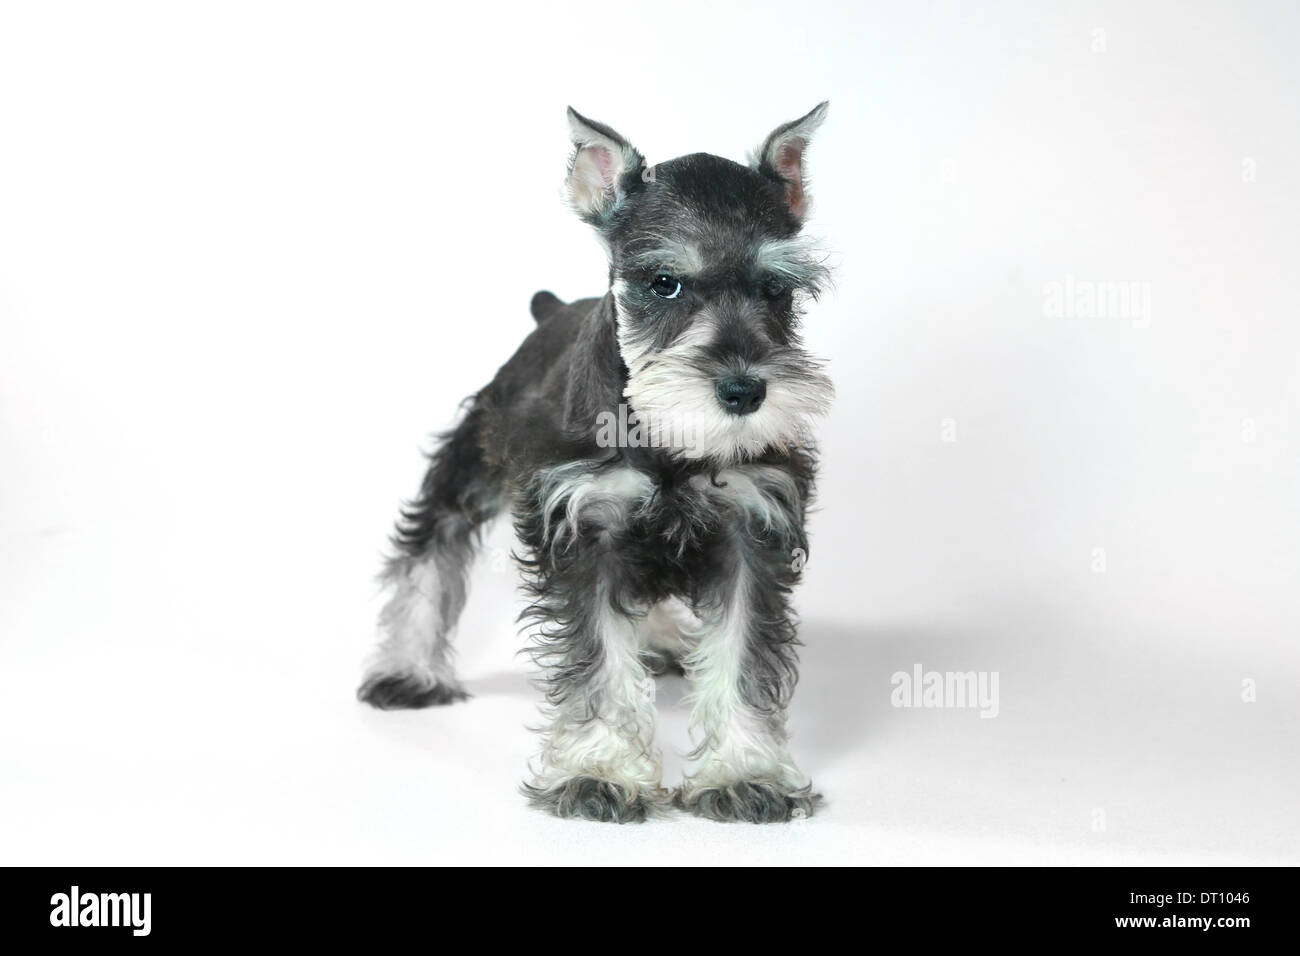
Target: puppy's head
708	271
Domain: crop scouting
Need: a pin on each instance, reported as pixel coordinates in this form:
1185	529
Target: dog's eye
666	286
775	288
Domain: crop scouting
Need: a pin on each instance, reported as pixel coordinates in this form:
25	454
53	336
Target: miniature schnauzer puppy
675	545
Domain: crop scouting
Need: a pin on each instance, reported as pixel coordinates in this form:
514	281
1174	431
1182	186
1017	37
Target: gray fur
586	798
747	802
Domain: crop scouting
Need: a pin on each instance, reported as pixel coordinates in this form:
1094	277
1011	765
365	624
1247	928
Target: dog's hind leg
435	543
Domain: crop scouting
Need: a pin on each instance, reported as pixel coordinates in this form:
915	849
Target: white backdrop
251	254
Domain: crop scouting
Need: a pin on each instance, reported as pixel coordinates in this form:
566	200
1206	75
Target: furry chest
672	523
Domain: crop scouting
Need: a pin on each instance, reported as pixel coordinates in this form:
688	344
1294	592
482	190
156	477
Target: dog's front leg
598	761
742	671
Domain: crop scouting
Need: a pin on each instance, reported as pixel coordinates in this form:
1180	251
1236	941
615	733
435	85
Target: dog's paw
403	691
589	798
745	802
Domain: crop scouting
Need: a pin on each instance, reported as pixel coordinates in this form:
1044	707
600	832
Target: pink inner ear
592	180
602	163
788	163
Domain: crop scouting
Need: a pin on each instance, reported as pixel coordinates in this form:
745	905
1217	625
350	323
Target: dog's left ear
781	156
599	168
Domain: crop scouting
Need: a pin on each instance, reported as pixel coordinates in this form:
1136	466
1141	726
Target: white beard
681	412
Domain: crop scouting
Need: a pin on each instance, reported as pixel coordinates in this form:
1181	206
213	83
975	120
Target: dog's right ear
599	168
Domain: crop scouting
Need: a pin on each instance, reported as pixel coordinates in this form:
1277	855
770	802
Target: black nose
742	396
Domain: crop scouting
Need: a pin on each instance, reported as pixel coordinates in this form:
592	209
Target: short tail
544	305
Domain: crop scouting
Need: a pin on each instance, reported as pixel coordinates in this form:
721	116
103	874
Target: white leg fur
734	743
608	733
605	732
416	642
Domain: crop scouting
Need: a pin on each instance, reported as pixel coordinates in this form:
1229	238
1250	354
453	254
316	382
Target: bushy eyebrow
797	260
659	252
